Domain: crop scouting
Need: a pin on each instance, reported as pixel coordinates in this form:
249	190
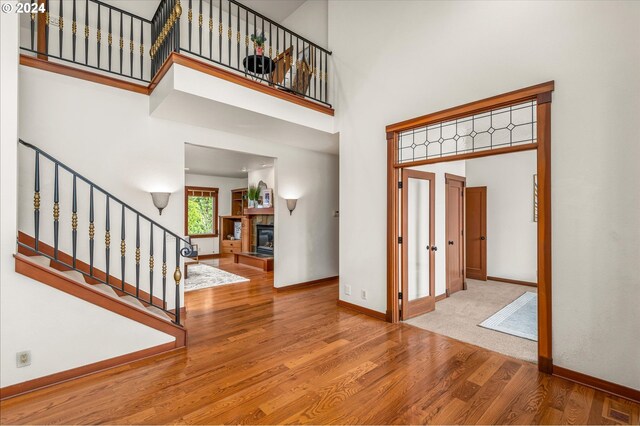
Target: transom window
201	211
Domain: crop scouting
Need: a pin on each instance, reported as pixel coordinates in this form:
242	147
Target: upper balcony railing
222	32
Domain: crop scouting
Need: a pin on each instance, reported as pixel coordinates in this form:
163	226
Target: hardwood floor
257	356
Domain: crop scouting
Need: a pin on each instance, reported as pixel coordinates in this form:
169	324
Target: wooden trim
74	373
361	309
470	155
213	190
63	283
502	100
441	297
542	94
510	281
257	211
300	286
209	256
100	275
594	382
544	229
31	61
482	274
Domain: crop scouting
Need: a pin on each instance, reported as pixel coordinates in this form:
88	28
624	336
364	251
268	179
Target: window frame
213	190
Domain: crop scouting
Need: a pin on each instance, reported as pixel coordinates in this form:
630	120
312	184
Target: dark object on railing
183	247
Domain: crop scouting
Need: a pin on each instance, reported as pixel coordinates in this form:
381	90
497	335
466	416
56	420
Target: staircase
62	255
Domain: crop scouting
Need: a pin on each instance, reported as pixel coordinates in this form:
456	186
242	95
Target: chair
282	64
304	71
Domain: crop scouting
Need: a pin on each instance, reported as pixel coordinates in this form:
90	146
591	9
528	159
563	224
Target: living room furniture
227	227
258	65
282	64
256	260
304	71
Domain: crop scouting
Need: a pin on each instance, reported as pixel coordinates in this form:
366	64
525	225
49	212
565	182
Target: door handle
434	248
482	238
428	248
450	243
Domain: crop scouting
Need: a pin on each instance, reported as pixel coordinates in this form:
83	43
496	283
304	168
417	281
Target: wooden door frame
542	94
448	177
416	174
483	250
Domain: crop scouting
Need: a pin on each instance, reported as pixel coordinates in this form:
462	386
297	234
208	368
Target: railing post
177	276
107	240
151	264
92	231
123	247
137	256
74	222
56	213
164	270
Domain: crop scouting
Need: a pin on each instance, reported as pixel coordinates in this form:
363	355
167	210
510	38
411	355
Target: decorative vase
259	50
252	204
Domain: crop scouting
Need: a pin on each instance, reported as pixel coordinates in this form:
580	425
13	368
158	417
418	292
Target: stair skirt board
74	373
135	311
29	241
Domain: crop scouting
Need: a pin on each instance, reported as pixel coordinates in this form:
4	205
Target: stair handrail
184	248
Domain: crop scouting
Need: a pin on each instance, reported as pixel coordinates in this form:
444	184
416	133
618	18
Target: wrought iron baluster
321	55
326	78
121	41
92	230
107	239
238	39
98	36
246	38
56	212
137	256
110	40
200	27
229	33
177	276
60	26
219	30
123	247
164	270
291	60
131	48
141	50
33	29
86	31
36	202
74	222
47	17
151	264
74	30
190	18
210	29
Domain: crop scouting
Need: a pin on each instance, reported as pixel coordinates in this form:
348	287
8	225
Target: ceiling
207	161
277	10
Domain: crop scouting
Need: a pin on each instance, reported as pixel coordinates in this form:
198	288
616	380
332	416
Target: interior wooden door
454	211
476	232
418	246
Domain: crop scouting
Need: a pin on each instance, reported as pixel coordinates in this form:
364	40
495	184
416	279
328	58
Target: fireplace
264	240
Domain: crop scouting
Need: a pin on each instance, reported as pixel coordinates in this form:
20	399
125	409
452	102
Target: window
201	211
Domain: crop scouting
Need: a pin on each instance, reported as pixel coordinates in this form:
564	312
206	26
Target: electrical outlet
363	294
347	290
23	359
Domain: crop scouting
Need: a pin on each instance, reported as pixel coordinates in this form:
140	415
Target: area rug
203	276
519	318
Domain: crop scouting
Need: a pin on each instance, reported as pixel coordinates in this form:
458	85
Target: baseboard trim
361	309
306	284
594	382
510	281
85	370
209	256
441	297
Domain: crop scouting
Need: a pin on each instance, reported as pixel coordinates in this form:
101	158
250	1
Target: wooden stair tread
158	312
107	289
132	301
77	276
42	260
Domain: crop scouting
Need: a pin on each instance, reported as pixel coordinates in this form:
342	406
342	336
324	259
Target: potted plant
258	42
253	194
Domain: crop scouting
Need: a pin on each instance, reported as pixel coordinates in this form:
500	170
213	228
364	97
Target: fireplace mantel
257	211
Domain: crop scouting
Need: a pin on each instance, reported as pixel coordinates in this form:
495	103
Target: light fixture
291	204
160	200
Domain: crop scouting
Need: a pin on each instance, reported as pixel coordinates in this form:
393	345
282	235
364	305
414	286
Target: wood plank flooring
260	357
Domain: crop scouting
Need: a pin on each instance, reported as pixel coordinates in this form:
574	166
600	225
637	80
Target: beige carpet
458	317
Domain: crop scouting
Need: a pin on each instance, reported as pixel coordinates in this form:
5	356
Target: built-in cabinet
239	201
227	228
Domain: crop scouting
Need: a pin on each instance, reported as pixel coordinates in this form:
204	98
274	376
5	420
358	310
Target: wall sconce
160	200
291	205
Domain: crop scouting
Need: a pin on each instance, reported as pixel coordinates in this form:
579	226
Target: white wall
224	185
33	316
310	20
454	168
267	175
448	53
512	239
